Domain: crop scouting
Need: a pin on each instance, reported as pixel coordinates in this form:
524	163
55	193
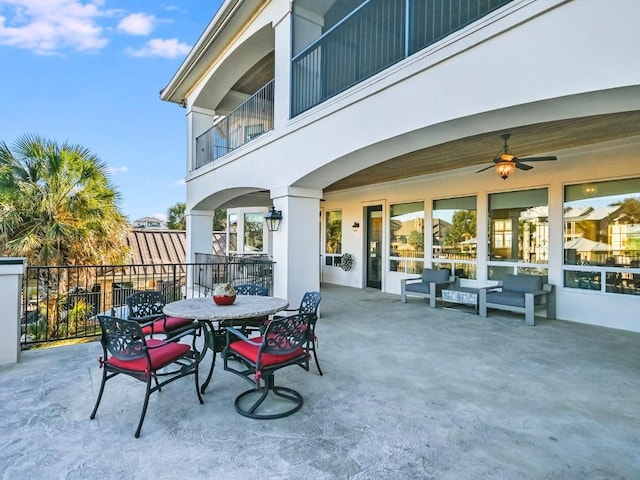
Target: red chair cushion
250	352
171	324
160	357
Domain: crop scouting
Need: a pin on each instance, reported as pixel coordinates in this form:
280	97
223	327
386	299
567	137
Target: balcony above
244	124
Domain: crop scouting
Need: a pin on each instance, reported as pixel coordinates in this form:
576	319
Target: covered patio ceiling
480	150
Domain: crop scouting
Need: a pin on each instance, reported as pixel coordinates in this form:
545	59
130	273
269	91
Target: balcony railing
61	303
373	37
247	122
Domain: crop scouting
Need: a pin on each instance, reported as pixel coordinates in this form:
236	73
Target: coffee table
462	295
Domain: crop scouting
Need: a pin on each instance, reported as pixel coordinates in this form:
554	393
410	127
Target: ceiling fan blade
523	166
539	159
484	169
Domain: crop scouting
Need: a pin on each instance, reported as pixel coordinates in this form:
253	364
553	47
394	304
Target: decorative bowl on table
224	294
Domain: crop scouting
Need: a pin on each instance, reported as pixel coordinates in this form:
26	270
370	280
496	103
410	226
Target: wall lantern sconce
355	226
505	168
273	219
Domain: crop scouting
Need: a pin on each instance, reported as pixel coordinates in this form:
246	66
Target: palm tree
57	205
176	219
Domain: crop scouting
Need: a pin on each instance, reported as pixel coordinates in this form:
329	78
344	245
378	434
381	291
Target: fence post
11	272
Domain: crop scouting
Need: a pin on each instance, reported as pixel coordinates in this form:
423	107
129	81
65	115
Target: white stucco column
11	272
199	239
296	245
199	233
282	73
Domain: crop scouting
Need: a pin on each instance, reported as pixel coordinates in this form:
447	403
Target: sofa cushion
514	299
522	283
437	276
417	287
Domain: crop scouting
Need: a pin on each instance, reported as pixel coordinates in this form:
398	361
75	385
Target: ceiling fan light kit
505	168
506	163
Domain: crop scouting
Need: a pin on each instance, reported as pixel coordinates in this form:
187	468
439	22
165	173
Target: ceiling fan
506	163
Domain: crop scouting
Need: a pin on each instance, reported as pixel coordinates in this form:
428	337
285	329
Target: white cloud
158	47
137	24
46	26
180	183
116	170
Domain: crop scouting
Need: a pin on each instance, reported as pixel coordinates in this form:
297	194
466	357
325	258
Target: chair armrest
290	310
147	318
491	288
411	280
537	293
241	336
190	330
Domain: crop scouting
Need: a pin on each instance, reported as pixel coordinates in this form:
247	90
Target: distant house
149	222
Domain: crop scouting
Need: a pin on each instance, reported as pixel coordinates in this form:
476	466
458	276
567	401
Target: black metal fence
62	302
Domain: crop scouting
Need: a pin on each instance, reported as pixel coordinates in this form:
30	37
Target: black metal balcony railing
247	122
61	303
373	37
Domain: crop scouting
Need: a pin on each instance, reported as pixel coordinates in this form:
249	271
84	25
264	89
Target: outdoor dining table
210	316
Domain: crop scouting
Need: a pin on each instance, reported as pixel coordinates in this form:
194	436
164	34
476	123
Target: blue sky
89	72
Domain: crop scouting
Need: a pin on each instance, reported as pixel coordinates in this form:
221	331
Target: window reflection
253	230
233	232
519	226
454	235
333	238
406	237
602	234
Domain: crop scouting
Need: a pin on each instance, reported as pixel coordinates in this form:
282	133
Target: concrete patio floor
408	392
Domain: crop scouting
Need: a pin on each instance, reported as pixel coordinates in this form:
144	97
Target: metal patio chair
259	358
309	305
126	350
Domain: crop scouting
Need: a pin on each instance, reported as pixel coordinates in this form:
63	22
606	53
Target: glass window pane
454	228
253	232
461	270
602	230
233	232
334	232
602	223
406	236
519	226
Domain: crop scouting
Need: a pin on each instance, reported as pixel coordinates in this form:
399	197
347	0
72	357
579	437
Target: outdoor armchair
257	359
520	294
429	285
126	350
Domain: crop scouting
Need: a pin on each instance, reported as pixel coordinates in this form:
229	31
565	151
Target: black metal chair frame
146	308
309	304
284	337
124	341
